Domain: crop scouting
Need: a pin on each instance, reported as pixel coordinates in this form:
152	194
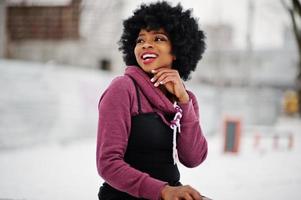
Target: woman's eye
159	38
139	40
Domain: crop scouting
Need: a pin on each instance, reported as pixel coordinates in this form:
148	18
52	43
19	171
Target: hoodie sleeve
191	143
114	125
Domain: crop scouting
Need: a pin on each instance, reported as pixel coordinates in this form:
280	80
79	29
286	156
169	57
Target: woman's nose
147	45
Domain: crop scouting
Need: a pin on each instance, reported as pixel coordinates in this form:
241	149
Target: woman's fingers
187	196
180	192
172	81
194	194
161	75
159	79
158	72
167	79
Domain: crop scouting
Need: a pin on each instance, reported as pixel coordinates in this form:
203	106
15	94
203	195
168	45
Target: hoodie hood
155	96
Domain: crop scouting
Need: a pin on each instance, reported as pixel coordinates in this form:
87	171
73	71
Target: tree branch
297	6
291	10
285	5
296	12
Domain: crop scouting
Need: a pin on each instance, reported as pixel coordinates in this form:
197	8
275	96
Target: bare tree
294	9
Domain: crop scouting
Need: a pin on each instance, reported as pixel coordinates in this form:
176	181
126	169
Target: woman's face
153	50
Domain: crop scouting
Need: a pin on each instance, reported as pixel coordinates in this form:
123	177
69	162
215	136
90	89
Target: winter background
50	91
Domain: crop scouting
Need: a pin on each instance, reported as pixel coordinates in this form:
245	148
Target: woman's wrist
184	98
164	190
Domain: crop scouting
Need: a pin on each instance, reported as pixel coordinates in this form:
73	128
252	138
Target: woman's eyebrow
160	32
155	32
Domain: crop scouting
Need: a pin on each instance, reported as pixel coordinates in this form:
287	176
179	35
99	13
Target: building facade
78	32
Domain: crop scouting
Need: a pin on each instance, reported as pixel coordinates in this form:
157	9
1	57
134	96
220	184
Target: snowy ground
47	148
60	171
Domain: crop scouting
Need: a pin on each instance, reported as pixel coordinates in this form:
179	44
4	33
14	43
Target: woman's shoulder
119	89
123	79
121	85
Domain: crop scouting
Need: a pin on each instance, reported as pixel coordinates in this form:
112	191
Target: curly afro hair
186	38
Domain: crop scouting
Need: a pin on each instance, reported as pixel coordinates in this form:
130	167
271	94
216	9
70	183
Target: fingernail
153	79
161	82
153	71
156	84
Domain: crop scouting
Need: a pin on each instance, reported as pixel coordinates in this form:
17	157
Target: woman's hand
172	81
180	193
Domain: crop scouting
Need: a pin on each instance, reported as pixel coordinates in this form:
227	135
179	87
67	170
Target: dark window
42	22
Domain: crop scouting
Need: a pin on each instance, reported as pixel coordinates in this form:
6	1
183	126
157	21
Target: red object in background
232	133
257	140
290	141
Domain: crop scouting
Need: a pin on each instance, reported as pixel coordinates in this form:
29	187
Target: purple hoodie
116	107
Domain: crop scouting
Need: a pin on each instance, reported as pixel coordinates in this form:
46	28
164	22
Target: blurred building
219	36
2	29
72	32
43	22
251	84
223	64
234	81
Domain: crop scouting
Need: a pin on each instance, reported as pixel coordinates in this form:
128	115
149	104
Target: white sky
270	18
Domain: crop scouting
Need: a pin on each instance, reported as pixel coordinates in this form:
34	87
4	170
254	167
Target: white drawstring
176	126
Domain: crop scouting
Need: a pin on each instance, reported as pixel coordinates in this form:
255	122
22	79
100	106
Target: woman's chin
148	69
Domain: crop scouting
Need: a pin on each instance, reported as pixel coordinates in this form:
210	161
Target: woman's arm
191	143
113	131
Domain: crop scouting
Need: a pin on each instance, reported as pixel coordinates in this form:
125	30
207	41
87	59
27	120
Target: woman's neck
170	96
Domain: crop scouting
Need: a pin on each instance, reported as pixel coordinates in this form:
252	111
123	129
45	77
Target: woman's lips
148	57
148	60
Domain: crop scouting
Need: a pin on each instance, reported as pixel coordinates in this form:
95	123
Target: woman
148	121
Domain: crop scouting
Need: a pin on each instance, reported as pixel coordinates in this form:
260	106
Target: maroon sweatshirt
116	107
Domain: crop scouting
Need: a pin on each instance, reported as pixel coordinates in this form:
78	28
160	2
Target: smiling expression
153	50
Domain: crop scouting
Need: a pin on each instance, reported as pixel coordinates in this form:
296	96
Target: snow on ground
262	173
67	171
47	148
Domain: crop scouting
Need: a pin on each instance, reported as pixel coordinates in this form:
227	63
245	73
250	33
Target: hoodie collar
159	101
154	94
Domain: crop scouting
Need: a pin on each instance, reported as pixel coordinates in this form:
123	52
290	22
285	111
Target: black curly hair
187	39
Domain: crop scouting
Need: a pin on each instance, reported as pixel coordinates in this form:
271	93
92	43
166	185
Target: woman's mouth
148	57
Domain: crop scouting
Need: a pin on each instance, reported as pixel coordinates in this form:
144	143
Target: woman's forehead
148	31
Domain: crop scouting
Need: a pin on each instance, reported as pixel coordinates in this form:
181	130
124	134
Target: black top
149	150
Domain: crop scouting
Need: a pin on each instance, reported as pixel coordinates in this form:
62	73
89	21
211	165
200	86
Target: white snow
47	146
